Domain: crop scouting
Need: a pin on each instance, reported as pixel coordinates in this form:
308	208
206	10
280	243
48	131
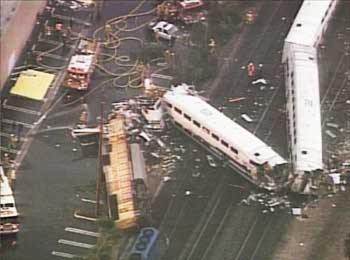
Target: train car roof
307	109
208	116
308	22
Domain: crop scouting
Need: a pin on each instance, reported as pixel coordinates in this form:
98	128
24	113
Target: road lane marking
50	55
7	150
20	109
74	243
78	216
8	135
82	232
63	254
9	121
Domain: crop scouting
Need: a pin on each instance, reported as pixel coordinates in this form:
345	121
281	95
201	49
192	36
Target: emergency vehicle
186	11
191	11
8	211
82	65
164	30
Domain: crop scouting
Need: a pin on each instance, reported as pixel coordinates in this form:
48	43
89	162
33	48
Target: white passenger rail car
304	118
302	88
309	26
227	140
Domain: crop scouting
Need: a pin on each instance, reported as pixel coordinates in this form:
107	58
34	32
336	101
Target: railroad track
213	219
183	211
204	240
266	51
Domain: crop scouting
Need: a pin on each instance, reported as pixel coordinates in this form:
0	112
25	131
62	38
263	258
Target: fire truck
191	11
82	65
185	11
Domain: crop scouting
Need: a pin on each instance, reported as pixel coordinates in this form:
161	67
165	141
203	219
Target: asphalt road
55	180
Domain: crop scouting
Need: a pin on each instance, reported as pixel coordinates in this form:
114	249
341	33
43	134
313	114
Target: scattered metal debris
259	81
269	201
330	134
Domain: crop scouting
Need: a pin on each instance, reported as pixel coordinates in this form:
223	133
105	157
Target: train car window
188	131
168	105
215	137
224	143
178	110
234	150
206	130
196	123
187	117
303	152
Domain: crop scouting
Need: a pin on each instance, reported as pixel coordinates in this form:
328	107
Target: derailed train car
236	146
302	90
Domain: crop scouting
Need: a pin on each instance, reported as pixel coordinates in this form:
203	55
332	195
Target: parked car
165	30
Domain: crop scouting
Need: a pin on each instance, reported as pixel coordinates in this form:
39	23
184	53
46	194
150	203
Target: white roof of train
237	136
308	118
308	23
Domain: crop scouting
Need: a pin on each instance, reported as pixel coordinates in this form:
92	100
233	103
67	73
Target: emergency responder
12	142
172	59
172	41
249	17
71	22
251	69
83	117
140	68
160	11
147	70
6	161
11	174
64	41
212	45
167	56
19	129
108	31
59	26
166	12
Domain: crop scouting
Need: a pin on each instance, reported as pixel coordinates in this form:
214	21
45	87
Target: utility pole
99	171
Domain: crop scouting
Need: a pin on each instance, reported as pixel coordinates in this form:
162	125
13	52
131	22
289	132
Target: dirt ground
322	235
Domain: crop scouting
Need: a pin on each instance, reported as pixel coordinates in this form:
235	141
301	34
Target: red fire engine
82	65
186	11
